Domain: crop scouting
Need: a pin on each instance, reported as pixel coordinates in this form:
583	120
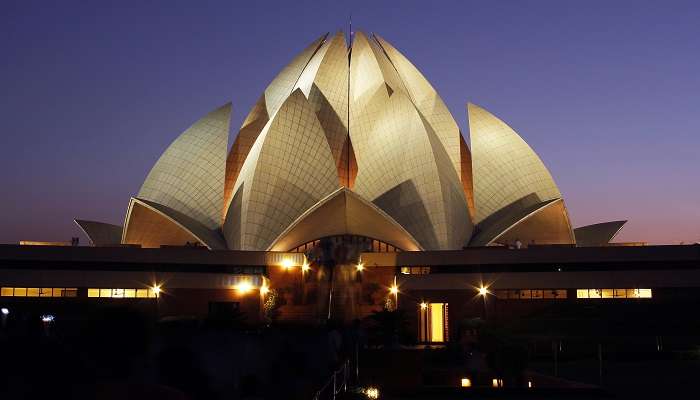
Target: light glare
372	393
243	286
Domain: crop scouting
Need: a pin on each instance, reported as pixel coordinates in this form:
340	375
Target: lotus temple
349	188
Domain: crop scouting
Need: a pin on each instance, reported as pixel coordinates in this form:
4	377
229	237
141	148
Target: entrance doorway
433	323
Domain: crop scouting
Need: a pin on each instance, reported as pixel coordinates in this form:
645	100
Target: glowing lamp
394	289
483	291
243	287
305	267
466	382
47	318
529	384
156	290
424	306
4	311
264	290
360	267
287	263
372	393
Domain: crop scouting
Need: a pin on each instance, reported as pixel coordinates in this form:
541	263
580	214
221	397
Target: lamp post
4	312
483	292
395	291
156	292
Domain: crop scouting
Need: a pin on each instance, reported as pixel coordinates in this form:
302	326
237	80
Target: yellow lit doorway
433	322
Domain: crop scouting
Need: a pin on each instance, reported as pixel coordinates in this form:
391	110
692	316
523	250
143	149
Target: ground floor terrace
546	291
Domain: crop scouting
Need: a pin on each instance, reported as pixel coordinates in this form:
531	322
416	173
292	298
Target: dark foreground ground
118	353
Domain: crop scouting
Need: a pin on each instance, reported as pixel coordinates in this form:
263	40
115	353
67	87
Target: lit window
141	293
642	293
437	322
129	293
118	293
614	293
433	322
45	292
57	292
151	293
405	270
70	292
93	292
33	292
20	292
105	292
556	293
537	294
7	291
525	294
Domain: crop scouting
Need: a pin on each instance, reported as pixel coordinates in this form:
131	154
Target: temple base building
349	189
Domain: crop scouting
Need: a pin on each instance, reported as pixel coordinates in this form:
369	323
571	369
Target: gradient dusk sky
606	92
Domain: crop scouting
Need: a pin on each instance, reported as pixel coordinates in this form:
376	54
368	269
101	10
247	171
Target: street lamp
394	289
483	292
4	312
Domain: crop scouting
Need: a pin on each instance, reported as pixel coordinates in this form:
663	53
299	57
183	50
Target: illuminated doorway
433	323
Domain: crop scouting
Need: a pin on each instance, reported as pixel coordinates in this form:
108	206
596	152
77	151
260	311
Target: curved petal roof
547	225
344	212
284	83
289	169
428	103
150	224
405	170
253	124
598	234
100	233
189	176
505	168
325	84
269	102
362	118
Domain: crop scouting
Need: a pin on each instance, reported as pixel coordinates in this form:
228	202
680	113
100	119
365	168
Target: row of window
38	292
73	292
122	293
613	293
415	270
528	294
364	243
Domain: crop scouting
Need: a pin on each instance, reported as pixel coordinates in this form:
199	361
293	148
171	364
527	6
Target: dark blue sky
607	93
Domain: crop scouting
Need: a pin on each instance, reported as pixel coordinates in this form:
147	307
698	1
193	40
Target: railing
338	382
